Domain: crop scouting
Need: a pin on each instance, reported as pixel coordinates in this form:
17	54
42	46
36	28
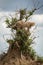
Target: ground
15	58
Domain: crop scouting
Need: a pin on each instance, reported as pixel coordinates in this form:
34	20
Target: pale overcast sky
12	5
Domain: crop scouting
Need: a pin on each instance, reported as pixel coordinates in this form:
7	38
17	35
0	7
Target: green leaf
14	20
10	41
7	21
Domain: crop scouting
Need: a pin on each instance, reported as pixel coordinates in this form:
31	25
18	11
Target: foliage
32	53
7	21
13	21
22	13
10	41
39	59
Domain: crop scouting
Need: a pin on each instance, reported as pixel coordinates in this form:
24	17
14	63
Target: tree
22	39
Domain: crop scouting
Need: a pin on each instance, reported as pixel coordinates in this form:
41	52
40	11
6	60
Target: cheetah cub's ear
29	24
